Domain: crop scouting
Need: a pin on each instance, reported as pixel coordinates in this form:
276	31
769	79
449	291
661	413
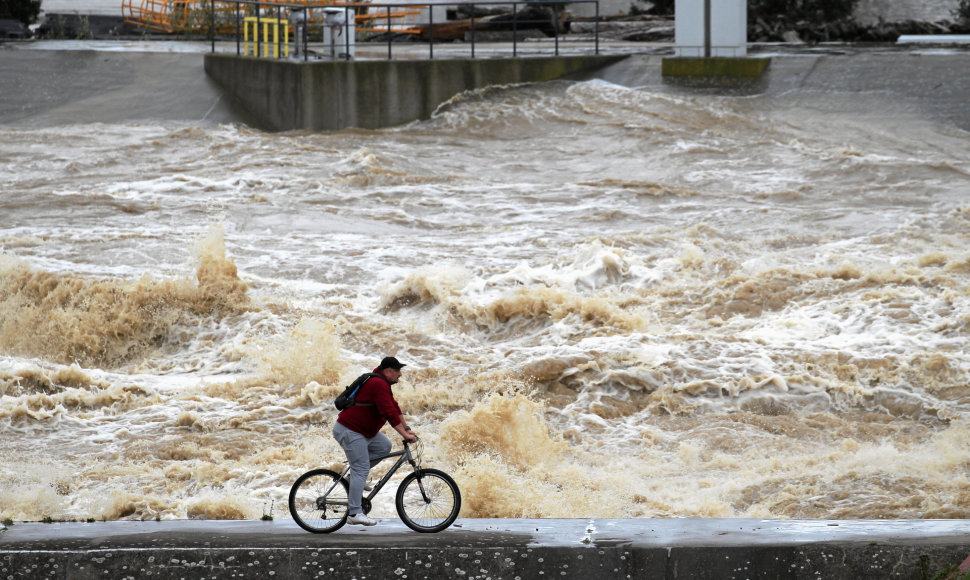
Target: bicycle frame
404	456
427	500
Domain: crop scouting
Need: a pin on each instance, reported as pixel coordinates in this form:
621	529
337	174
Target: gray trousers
361	454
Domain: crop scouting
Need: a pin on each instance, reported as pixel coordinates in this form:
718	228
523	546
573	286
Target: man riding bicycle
357	430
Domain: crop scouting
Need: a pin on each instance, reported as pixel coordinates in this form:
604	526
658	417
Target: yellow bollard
261	40
276	39
254	22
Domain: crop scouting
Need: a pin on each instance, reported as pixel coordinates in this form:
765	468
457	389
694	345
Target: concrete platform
374	94
718	549
934	39
62	82
718	71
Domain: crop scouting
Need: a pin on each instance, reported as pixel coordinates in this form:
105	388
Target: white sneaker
361	519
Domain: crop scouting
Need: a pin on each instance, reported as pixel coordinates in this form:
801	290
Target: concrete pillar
711	28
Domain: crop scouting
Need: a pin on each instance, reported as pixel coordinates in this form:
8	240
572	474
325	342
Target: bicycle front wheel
318	501
428	500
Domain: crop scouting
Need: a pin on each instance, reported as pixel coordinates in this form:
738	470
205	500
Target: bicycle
427	500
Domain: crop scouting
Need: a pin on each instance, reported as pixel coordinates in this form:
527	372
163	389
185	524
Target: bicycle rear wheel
428	500
318	501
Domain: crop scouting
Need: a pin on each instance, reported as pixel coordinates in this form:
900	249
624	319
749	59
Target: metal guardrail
283	18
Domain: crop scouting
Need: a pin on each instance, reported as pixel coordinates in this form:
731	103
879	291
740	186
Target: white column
711	27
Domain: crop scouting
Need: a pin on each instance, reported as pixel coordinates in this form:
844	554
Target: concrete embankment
372	94
94	82
84	84
326	95
715	549
926	82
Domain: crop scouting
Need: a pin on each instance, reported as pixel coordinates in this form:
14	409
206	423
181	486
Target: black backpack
347	398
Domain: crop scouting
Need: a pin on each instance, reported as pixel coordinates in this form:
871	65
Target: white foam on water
687	305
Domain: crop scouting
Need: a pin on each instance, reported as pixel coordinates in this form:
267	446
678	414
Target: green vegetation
7	522
84	28
809	21
952	573
268	516
963	10
25	11
60	26
816	11
948	573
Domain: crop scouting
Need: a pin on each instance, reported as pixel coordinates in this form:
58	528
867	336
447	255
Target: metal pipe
515	29
555	25
212	23
596	29
707	28
473	5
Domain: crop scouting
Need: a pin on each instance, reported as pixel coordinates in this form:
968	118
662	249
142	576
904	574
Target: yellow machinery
193	17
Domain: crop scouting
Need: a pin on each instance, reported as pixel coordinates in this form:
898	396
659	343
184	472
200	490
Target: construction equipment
195	16
171	16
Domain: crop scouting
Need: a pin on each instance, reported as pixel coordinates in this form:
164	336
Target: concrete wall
923	82
332	557
327	95
496	549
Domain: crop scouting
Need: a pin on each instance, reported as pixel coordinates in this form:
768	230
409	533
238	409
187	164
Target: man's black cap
390	362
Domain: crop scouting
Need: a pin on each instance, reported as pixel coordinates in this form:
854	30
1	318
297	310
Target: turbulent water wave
104	323
612	303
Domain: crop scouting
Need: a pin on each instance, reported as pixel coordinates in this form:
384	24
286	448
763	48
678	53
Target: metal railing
283	20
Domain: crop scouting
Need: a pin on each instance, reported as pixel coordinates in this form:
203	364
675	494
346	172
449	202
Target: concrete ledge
498	549
719	70
326	95
935	39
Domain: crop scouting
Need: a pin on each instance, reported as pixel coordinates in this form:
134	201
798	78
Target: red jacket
368	420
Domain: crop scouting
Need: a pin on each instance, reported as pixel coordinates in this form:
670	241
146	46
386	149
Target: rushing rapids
613	303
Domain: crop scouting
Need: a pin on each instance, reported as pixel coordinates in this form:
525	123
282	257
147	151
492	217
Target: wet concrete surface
489	548
70	86
65	82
